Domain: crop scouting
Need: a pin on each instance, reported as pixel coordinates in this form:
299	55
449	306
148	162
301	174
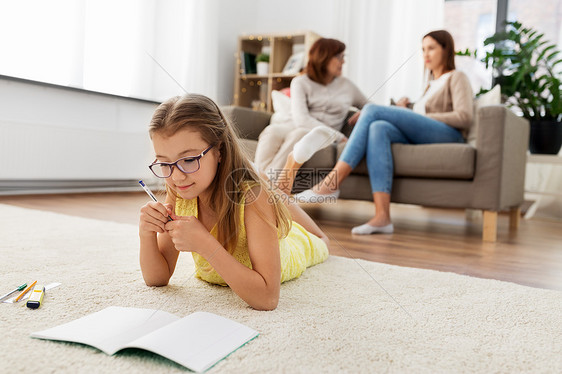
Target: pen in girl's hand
151	195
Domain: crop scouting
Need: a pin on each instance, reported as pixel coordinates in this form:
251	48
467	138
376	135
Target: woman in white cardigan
320	101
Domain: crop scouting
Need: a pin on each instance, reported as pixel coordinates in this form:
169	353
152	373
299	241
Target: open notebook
197	341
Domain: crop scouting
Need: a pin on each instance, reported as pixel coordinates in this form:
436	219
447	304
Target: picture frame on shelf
294	64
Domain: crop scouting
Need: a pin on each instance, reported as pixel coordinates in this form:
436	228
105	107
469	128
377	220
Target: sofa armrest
248	123
501	158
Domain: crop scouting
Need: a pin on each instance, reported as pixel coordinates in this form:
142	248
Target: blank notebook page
109	329
197	341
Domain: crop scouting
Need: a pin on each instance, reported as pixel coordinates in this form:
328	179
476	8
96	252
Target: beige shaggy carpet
343	316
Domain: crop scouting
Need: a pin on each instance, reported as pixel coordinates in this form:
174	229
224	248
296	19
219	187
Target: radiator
46	158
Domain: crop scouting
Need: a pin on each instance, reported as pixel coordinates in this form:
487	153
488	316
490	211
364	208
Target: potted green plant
262	61
527	68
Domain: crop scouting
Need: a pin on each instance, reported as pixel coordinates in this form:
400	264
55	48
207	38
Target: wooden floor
439	239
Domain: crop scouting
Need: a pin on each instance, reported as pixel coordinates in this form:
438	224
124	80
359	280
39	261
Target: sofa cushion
282	109
247	122
249	147
492	97
444	160
323	159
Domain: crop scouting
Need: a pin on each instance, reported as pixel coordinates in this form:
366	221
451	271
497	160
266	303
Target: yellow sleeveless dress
299	249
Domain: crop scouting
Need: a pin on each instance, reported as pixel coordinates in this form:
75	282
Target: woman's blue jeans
380	126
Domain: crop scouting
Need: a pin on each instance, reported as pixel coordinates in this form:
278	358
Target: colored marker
36	297
24	292
151	195
13	291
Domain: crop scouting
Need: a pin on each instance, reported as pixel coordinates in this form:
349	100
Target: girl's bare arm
158	256
258	286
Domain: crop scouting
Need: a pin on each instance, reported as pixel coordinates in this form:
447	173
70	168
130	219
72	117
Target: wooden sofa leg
514	218
490	226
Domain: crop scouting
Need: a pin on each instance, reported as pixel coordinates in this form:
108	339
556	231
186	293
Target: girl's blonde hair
235	174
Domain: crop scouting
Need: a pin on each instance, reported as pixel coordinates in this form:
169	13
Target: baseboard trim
28	187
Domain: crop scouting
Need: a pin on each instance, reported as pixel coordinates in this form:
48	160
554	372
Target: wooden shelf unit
249	88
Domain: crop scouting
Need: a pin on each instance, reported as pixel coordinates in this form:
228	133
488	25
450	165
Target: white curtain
384	44
185	48
139	48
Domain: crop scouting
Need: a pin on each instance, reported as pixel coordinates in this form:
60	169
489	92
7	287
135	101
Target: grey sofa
488	174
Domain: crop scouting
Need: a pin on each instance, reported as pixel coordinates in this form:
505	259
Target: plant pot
545	137
263	68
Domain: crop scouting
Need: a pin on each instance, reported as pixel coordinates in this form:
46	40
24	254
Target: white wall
200	55
320	16
234	18
55	136
380	36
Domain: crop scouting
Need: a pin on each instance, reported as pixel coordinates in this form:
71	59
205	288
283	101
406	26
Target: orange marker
24	292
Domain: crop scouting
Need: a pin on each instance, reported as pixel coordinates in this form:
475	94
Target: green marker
20	288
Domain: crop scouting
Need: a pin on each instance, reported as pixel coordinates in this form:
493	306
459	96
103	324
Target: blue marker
151	195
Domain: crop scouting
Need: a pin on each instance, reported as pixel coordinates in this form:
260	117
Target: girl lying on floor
237	227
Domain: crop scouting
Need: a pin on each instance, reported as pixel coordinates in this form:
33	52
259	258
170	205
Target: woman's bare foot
286	177
328	185
331	182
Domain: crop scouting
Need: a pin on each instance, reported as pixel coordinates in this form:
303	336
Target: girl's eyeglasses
186	164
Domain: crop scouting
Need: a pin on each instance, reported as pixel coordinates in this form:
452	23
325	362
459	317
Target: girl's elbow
268	301
155	282
267	305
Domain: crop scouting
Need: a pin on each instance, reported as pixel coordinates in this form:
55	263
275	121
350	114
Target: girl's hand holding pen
153	217
188	234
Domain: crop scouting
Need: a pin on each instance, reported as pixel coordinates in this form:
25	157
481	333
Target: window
470	22
545	16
